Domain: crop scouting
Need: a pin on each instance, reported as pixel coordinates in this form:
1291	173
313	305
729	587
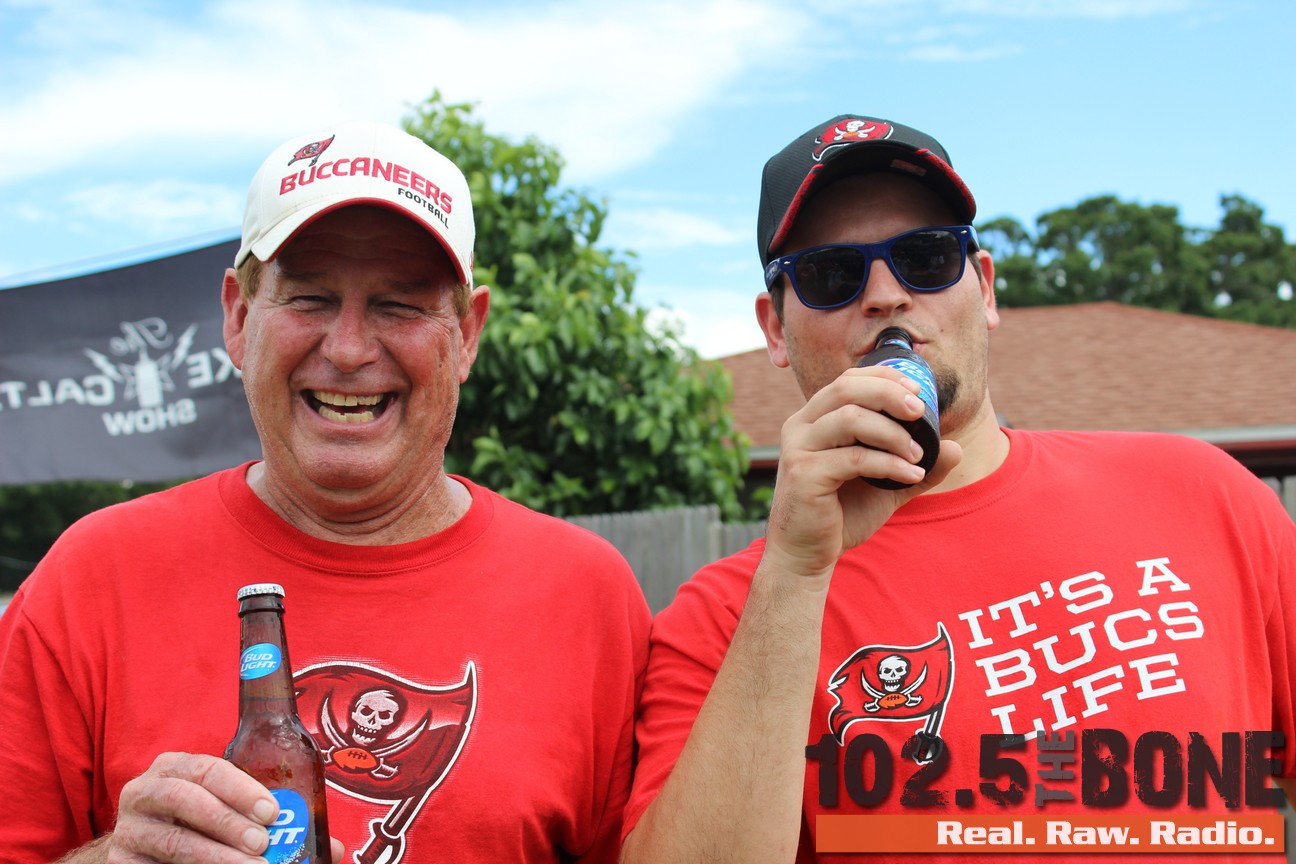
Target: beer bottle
894	348
271	744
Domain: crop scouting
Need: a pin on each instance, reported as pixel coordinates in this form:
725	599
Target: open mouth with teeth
348	407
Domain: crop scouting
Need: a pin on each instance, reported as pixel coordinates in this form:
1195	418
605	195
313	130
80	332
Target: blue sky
131	129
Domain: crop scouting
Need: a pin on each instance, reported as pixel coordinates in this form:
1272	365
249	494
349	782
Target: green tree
1252	267
1108	249
32	517
1019	280
576	404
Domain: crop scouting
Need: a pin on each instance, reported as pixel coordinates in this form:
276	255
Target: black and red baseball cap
851	144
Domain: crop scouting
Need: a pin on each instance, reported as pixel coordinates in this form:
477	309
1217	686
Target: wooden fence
1286	489
666	547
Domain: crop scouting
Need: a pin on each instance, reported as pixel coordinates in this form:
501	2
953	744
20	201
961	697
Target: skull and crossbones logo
893	671
374	715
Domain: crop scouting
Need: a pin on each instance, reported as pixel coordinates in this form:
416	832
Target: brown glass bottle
271	744
894	348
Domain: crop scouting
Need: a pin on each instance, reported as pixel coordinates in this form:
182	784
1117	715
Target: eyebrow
402	287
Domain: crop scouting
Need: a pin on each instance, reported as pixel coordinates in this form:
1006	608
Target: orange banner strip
982	835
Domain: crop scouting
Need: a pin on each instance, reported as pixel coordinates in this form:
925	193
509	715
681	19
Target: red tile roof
1097	366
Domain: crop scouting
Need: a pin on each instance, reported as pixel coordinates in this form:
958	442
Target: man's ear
235	307
988	288
772	326
470	328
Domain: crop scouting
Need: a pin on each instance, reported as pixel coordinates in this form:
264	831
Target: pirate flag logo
385	740
895	683
312	151
850	132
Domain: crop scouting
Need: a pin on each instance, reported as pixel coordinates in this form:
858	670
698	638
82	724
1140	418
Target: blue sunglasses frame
965	234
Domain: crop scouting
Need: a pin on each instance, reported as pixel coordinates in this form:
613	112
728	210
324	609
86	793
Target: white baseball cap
357	163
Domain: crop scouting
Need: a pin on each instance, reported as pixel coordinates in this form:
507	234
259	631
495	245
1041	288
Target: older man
469	667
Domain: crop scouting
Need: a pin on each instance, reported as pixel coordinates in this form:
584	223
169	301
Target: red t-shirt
1135	583
494	664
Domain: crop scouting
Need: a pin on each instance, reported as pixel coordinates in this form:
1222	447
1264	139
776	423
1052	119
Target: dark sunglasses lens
829	277
928	260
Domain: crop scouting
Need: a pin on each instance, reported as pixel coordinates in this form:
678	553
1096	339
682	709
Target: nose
883	293
349	342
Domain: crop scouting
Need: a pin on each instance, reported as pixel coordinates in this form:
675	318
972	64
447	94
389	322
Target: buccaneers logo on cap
894	682
312	151
850	131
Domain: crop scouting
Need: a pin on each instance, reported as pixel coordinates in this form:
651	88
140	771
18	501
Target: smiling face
950	327
352	356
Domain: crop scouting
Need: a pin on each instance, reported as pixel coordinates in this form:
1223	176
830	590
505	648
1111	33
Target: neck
342	516
985	447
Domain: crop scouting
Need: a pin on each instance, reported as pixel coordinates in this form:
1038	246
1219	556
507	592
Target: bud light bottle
271	744
894	348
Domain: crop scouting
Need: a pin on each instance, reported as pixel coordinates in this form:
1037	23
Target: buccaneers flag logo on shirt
385	739
893	682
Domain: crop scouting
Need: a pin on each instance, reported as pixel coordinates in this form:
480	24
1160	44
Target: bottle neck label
260	660
289	833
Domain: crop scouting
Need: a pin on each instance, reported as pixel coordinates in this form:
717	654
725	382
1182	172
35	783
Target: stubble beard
960	394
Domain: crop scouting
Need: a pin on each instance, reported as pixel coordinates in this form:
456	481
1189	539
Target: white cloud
647	229
609	83
724	337
605	83
712	337
159	208
949	31
1093	9
721	335
243	70
950	53
27	212
715	321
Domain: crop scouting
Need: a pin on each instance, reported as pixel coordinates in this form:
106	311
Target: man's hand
189	809
822	503
192	808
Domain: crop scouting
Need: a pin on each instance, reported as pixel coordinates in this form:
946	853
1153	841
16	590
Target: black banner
121	375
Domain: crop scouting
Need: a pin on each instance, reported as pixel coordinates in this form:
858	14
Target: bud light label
290	831
920	373
258	661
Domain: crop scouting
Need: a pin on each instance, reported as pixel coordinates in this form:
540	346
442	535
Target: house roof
1096	366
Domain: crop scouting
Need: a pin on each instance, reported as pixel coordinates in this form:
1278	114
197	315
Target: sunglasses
826	277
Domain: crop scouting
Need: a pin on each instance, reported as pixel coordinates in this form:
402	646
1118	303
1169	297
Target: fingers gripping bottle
894	348
271	744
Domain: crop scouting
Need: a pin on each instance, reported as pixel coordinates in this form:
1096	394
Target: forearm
94	852
735	792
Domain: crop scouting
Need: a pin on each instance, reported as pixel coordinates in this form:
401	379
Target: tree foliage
1251	266
32	517
1107	249
576	403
